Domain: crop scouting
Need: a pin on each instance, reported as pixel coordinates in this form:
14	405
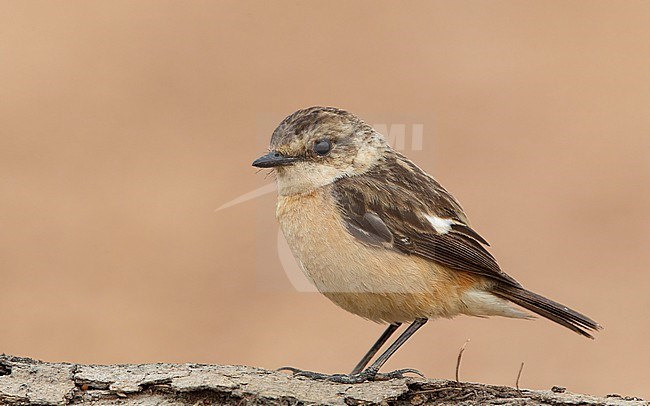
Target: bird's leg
375	347
371	373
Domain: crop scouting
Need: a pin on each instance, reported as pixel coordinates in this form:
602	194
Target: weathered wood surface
24	381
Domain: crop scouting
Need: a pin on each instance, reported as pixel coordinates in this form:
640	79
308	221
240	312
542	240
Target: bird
382	239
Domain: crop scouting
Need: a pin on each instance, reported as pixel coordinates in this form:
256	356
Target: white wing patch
442	226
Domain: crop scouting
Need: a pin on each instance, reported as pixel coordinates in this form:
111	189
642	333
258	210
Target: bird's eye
322	147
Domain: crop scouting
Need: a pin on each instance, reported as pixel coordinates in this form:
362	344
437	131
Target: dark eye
322	147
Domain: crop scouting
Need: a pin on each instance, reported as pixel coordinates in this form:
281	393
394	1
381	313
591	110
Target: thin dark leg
371	373
379	362
375	347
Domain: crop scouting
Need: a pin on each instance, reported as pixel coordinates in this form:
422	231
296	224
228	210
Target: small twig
521	368
460	357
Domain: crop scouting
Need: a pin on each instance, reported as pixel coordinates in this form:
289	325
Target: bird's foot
364	376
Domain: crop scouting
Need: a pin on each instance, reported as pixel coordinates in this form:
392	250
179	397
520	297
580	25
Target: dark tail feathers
554	311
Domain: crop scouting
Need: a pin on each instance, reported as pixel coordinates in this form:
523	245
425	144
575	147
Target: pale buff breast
379	284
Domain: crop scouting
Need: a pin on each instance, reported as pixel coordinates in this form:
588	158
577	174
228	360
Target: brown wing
386	207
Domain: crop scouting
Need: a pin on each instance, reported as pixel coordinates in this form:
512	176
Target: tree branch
24	381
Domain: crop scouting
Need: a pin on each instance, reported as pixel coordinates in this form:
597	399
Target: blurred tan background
125	124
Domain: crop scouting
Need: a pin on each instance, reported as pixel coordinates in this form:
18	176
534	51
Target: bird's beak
272	159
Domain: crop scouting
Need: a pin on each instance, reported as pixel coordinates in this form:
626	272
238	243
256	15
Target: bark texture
24	381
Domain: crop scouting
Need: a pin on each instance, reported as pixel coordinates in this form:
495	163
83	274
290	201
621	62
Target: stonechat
382	239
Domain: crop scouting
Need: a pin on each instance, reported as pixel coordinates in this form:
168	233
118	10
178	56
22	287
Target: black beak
272	159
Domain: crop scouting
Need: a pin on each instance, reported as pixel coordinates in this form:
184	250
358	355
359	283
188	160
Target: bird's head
316	146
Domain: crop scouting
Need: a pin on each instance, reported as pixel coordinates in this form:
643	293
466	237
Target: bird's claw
364	376
399	374
306	374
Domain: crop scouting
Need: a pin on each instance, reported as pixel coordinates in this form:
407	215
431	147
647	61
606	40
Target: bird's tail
554	311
